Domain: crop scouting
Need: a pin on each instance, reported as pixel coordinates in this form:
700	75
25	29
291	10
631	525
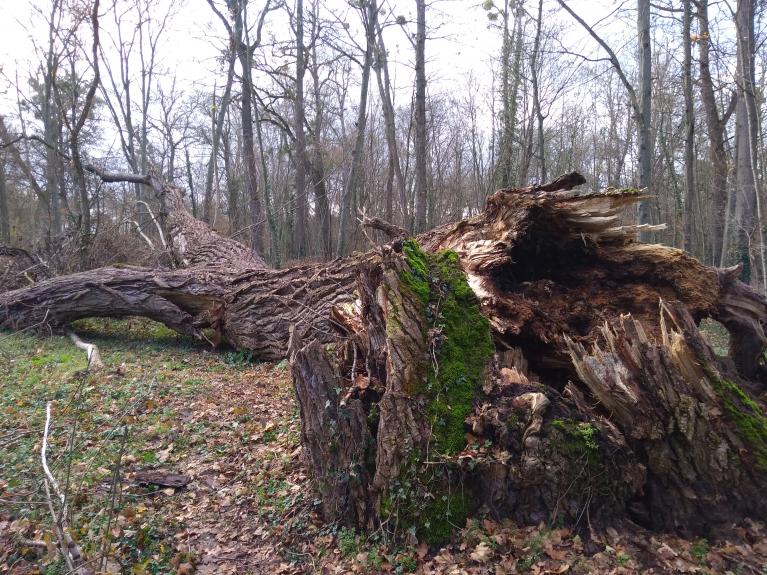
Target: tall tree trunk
421	183
5	220
249	150
318	162
300	157
218	115
511	59
389	199
370	16
645	112
748	206
745	139
190	182
52	127
232	189
691	196
271	218
384	89
537	96
715	126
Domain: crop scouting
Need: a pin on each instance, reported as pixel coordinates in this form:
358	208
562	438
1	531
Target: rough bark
518	361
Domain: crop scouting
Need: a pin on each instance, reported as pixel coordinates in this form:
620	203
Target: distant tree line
304	129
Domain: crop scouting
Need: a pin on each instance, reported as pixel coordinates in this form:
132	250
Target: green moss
429	503
417	276
429	499
579	439
461	341
443	515
747	416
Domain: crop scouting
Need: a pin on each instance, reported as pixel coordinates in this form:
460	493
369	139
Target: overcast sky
460	41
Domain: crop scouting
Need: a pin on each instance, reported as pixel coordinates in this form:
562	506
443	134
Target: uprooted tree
533	361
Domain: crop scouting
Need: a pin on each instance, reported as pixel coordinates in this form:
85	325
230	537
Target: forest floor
231	426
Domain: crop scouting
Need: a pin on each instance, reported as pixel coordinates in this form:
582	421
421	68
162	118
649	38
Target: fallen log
533	361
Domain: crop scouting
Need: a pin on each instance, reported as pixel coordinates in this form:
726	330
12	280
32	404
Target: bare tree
534	62
368	10
317	166
218	115
748	212
691	196
74	125
421	184
239	36
716	123
640	103
387	104
299	119
5	220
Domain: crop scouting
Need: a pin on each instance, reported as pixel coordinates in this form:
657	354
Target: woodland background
312	119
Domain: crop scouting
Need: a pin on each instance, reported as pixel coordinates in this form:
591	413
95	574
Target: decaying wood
161	478
601	399
91	350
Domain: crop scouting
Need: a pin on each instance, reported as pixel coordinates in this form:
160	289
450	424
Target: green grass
128	410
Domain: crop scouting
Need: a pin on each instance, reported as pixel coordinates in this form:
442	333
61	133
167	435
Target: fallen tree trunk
533	361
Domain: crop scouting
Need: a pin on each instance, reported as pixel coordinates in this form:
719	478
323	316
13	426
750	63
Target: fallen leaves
215	483
482	553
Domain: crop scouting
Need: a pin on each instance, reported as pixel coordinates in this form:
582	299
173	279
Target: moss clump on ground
430	499
429	502
579	439
747	416
443	515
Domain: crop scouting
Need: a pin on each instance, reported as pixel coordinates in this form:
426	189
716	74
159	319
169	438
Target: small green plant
700	549
348	544
405	563
526	563
580	439
623	559
240	357
375	560
270	435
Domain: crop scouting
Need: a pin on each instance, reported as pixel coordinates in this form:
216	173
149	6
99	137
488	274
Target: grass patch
145	410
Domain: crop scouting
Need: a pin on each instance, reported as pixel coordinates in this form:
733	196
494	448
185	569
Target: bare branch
613	58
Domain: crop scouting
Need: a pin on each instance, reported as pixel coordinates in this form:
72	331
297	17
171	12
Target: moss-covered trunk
514	363
414	419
